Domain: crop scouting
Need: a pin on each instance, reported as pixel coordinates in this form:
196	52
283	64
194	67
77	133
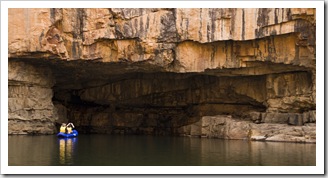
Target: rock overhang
117	65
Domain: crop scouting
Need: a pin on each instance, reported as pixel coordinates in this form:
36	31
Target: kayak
64	135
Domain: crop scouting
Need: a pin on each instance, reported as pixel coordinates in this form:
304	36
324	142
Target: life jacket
63	129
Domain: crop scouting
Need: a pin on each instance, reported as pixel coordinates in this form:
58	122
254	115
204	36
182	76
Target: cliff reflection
66	150
26	150
246	153
112	150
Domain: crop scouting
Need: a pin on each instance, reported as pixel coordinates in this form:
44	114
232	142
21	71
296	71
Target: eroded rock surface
30	107
152	71
227	127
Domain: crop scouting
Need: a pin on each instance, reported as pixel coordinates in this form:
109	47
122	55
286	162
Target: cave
120	98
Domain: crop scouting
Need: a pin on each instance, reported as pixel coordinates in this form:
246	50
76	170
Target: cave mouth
123	98
155	103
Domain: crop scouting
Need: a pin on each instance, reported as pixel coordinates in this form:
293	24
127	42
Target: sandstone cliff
156	71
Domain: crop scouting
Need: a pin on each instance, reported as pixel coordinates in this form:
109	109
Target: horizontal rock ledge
227	127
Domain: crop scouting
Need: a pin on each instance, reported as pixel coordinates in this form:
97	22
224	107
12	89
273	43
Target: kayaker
70	127
62	128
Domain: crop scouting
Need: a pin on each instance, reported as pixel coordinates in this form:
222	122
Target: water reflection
110	150
245	153
66	150
26	150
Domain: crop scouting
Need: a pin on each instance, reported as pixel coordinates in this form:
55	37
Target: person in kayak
70	127
62	128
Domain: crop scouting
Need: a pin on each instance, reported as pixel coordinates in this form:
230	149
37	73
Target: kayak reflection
66	150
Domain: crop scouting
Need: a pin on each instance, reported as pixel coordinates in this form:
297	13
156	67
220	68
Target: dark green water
109	150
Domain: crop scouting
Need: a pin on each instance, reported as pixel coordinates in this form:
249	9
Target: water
110	150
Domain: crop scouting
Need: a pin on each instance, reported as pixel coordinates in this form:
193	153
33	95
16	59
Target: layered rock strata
227	127
156	71
30	107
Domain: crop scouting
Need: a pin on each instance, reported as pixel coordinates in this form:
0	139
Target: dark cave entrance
156	103
121	98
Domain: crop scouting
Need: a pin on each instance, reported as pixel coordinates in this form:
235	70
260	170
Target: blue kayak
64	135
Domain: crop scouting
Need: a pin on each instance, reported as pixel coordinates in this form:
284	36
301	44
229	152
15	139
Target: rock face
226	127
30	107
155	71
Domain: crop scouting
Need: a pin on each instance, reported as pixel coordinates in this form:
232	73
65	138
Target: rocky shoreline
226	127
